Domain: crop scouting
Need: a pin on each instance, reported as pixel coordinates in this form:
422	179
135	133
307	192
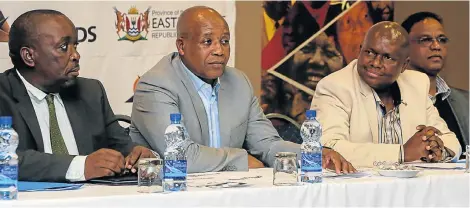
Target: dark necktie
57	141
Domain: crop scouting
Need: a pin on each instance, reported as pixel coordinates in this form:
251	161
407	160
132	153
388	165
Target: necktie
57	141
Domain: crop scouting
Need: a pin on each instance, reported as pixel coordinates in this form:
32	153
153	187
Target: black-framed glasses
427	41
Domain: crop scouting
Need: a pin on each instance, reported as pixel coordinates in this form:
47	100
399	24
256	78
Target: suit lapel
406	112
225	111
25	107
77	117
369	104
194	96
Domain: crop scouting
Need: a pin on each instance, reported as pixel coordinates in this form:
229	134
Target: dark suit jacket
91	117
458	101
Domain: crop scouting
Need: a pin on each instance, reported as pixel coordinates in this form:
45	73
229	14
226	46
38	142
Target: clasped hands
108	162
424	145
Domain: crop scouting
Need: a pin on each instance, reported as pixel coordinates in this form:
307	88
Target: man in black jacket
67	129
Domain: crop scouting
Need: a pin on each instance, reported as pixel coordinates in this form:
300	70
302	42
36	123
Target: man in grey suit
67	129
227	128
428	52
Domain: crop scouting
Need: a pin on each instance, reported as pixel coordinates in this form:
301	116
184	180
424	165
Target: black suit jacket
91	117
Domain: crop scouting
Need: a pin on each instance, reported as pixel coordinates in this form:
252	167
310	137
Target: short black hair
21	31
418	17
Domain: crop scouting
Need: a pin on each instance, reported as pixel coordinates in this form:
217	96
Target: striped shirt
389	129
442	88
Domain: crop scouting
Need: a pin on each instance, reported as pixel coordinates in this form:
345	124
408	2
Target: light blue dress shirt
210	98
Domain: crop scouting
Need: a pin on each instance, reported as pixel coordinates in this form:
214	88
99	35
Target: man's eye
63	47
225	41
425	40
207	42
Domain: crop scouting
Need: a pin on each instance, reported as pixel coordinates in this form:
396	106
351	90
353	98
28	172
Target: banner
118	41
304	41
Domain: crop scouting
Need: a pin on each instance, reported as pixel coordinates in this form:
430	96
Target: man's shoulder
342	78
162	72
415	79
459	94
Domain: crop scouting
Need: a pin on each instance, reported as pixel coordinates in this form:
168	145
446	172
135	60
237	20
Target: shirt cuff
156	154
76	171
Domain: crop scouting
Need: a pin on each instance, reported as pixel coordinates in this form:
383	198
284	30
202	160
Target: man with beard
375	110
380	10
67	130
428	53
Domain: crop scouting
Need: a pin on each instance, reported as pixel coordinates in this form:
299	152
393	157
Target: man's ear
27	56
405	65
180	46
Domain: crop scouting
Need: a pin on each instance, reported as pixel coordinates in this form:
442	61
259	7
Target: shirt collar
198	82
442	88
35	92
396	95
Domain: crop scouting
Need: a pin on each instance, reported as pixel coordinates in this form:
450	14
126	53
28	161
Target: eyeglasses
427	41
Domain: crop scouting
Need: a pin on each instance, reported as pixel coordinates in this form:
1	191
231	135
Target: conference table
431	187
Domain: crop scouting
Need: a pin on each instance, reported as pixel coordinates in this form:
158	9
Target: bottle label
175	169
311	162
8	175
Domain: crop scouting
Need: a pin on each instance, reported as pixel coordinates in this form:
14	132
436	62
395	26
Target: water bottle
8	160
311	150
175	163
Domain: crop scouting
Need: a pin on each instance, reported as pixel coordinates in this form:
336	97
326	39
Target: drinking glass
150	175
285	170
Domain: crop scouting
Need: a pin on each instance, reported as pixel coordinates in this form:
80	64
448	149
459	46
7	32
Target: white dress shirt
76	170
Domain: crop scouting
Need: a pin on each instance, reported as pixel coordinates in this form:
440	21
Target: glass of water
150	175
285	169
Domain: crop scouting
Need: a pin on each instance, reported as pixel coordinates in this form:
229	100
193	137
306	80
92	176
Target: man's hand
137	153
424	144
254	163
334	161
104	162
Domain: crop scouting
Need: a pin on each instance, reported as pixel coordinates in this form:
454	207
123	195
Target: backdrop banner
119	41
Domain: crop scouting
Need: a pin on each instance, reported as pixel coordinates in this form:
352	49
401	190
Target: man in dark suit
428	53
67	129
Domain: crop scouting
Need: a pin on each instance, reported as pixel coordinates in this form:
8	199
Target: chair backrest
287	128
125	119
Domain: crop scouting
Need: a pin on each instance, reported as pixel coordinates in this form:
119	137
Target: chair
126	119
287	128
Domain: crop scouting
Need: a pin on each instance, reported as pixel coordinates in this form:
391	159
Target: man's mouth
74	71
435	57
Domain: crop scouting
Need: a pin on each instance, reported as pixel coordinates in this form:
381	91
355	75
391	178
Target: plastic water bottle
8	160
175	165
311	149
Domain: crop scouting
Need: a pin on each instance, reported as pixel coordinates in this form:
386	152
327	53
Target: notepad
24	186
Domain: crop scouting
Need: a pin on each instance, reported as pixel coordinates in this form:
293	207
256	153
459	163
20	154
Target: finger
325	161
119	161
432	130
435	156
345	166
420	127
133	157
432	144
337	164
437	140
351	168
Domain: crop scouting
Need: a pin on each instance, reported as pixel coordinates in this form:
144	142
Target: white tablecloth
429	188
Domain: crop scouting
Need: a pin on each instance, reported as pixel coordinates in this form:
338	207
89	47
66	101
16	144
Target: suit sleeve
151	111
118	139
262	139
448	137
333	113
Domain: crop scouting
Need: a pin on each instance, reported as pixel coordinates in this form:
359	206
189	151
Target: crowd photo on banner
289	24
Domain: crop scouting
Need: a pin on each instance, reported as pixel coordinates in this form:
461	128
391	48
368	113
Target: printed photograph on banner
4	28
305	41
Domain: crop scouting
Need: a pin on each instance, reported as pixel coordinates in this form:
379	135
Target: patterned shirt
442	88
389	129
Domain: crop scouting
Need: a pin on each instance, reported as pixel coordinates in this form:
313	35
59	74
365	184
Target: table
429	188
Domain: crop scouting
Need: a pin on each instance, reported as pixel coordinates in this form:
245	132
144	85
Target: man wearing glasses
374	110
428	52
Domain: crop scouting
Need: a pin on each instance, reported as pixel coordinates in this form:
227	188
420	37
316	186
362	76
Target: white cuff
76	171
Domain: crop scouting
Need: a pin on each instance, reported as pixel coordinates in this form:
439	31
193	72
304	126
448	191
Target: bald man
375	110
226	126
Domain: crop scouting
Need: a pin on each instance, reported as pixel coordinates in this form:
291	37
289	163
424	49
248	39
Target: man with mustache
67	130
227	127
428	53
375	110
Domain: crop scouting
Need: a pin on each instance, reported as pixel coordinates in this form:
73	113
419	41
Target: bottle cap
175	117
5	120
311	113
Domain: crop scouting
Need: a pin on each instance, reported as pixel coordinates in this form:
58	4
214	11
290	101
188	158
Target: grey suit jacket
167	88
458	101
